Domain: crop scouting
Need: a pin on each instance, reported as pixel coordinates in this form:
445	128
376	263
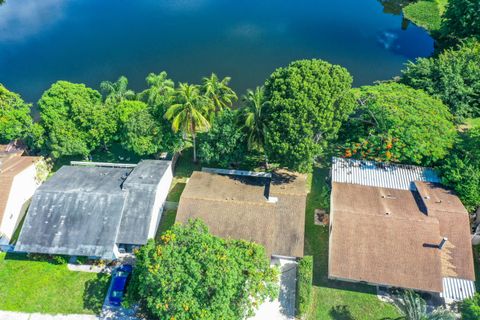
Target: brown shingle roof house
396	226
269	210
18	182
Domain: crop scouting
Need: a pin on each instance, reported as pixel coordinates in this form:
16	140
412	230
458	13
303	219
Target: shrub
470	308
461	169
304	285
453	76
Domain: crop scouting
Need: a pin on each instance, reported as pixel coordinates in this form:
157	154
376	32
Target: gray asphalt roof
86	210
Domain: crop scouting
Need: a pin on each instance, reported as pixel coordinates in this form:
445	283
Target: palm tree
413	307
254	120
189	113
218	92
116	92
161	89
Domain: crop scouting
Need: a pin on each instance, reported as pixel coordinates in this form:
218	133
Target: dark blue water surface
88	41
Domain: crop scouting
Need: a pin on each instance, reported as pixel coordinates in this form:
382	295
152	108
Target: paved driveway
282	308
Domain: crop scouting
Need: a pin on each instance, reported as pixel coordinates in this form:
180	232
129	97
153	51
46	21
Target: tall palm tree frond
116	91
189	113
218	92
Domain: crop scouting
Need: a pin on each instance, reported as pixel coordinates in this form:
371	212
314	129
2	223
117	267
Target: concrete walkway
282	308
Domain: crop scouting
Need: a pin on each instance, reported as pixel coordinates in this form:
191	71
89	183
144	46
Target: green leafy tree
189	113
224	143
116	92
453	76
141	133
15	119
461	20
218	92
308	101
191	274
470	308
413	307
74	119
461	169
395	123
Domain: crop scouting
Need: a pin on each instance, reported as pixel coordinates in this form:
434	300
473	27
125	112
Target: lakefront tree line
305	113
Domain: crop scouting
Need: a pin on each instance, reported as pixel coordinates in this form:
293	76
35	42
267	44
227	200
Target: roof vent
442	243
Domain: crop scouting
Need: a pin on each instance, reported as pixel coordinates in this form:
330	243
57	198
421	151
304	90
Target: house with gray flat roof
98	210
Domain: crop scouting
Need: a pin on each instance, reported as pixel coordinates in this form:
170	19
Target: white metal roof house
98	210
397	226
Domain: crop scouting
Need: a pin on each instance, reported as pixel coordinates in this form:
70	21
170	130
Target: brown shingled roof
389	236
9	168
236	207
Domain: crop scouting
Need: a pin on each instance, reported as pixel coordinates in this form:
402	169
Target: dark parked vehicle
120	280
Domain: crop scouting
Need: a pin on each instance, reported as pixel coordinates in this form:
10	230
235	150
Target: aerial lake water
88	41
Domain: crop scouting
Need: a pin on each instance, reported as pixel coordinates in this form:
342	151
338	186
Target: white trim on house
22	189
160	198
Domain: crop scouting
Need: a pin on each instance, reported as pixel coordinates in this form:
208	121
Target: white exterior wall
23	187
162	192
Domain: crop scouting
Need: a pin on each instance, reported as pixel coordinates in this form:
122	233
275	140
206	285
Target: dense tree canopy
462	20
191	274
74	119
224	144
453	76
307	102
15	119
137	129
461	169
393	122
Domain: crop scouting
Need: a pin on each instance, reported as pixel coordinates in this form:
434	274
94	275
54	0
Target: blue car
120	280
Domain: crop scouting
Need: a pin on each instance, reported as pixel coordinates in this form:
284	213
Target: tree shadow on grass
95	292
341	313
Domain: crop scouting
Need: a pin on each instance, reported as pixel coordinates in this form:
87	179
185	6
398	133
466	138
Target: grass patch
47	286
335	299
426	14
167	222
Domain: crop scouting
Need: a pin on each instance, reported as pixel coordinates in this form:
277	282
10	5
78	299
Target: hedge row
304	285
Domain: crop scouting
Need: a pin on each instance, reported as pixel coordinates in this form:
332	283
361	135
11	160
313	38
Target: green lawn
47	286
335	299
168	220
183	170
426	13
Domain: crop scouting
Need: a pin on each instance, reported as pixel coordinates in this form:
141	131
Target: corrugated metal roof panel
457	289
377	174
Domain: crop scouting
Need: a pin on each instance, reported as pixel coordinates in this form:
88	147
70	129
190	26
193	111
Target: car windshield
117	294
121	274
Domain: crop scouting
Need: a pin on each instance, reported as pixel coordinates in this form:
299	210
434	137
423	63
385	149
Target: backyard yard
47	286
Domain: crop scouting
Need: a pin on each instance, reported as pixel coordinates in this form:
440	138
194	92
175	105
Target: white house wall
23	187
162	192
